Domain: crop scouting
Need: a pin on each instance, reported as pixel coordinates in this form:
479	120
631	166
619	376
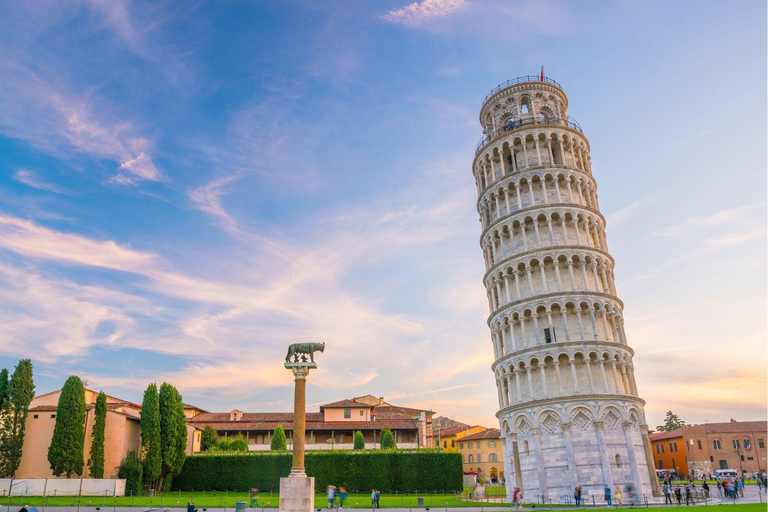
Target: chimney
381	400
733	420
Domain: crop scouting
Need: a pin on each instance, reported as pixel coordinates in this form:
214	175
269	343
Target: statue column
299	417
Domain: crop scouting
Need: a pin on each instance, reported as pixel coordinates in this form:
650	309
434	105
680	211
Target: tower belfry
569	410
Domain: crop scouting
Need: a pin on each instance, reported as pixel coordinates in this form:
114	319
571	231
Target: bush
224	445
279	443
208	439
132	469
387	439
239	444
362	471
359	441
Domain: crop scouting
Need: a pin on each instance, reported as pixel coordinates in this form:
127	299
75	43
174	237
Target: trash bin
420	502
150	493
240	506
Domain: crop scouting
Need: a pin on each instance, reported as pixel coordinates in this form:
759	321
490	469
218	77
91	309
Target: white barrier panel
62	487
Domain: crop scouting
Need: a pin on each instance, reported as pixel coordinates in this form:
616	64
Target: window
437	443
662	448
760	443
675	446
699	444
747	444
362	413
492	458
723	464
461	446
618	460
736	444
657	449
469	444
347	413
471	458
671	448
491	444
673	464
35	416
445	444
716	445
661	465
750	458
453	443
711	459
742	458
53	415
479	457
549	335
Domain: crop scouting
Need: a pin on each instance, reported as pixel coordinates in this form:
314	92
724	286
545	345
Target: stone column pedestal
297	491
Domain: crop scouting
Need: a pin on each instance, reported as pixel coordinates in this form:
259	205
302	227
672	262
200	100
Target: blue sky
188	187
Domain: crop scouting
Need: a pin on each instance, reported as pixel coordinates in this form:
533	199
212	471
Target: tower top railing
521	80
522	123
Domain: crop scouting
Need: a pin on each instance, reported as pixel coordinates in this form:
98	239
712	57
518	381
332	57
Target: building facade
333	428
448	438
705	448
569	409
483	455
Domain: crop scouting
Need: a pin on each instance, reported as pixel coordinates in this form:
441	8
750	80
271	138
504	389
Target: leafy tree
223	445
387	439
279	442
239	443
208	439
21	390
131	468
671	422
65	452
173	433
359	441
3	387
96	460
150	434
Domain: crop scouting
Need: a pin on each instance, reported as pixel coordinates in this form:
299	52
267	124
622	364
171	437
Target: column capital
566	426
599	424
536	431
627	425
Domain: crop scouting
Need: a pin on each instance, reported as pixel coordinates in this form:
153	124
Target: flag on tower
542	73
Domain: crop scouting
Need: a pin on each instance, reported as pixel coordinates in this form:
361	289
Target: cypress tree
387	439
208	438
21	391
150	434
3	387
173	432
181	436
66	450
359	441
96	460
279	443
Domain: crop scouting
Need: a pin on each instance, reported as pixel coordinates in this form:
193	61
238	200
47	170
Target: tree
96	460
279	443
3	387
359	441
208	439
173	433
21	390
239	443
65	452
132	469
150	434
387	439
671	422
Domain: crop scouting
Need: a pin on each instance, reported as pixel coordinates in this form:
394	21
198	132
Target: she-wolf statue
304	348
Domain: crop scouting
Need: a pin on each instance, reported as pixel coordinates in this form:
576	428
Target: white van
726	473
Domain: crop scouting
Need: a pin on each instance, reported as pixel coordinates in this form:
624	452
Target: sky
186	188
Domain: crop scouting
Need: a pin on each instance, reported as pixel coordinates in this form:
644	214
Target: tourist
705	486
331	492
517	495
607	492
719	489
191	507
378	497
687	495
342	496
373	498
618	496
577	495
254	498
667	494
740	486
678	495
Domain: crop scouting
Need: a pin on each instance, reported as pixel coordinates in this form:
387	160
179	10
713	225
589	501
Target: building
448	438
569	409
443	422
122	433
705	448
483	455
669	451
423	416
333	427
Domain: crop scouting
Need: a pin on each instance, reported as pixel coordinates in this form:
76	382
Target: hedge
388	470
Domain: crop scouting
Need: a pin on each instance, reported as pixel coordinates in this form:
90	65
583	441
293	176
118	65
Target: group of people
679	494
333	494
733	488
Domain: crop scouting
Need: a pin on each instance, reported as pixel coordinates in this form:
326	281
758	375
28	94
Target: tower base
297	493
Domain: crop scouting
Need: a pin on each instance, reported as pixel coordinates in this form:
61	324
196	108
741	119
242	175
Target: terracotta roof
451	431
660	436
242	426
43	408
399	409
735	426
491	433
342	404
194	407
275	417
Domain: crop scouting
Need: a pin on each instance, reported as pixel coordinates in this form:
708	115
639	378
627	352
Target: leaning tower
569	410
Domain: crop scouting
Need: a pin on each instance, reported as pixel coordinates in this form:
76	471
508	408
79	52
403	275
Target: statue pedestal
297	493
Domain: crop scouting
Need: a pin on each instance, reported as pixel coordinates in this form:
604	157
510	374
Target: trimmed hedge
428	469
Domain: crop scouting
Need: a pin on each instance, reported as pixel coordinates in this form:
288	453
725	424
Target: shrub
358	470
279	443
224	445
239	444
387	439
132	469
359	441
208	439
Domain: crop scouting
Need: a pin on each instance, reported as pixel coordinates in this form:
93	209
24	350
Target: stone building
569	412
739	445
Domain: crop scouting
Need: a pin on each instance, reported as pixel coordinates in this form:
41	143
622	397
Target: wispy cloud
721	218
735	239
425	11
208	199
30	179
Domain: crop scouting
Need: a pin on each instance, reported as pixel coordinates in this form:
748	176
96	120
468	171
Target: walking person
705	486
719	489
342	496
577	495
687	495
378	497
373	498
618	496
678	496
254	498
667	494
191	507
740	487
607	493
517	496
331	492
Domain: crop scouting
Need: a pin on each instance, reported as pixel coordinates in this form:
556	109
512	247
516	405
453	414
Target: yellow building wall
338	414
486	467
450	443
37	439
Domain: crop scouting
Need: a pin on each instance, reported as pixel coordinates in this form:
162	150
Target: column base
297	492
